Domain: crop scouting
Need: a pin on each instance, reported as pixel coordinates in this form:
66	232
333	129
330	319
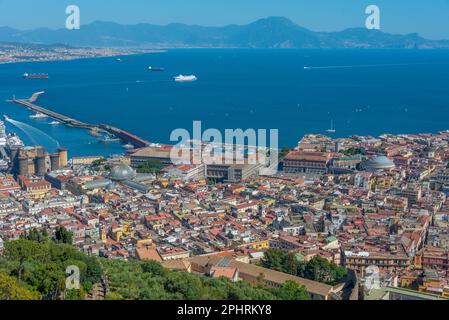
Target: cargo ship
35	75
182	78
156	69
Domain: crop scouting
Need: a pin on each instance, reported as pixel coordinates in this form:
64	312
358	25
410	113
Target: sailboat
331	130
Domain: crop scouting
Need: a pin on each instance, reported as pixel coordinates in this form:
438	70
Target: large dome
378	163
122	172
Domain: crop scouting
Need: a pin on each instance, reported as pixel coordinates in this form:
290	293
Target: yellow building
128	230
384	182
79	161
63	157
35	186
434	286
116	233
143	242
256	245
103	235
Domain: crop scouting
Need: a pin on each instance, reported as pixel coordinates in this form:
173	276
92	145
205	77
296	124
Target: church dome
378	163
122	172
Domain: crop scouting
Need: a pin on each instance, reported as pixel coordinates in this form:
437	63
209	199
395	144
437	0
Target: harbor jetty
125	136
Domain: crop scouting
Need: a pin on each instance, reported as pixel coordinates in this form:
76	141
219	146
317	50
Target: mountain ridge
270	32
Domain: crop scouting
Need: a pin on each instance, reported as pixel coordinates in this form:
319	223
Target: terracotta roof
308	156
144	253
176	264
269	275
226	272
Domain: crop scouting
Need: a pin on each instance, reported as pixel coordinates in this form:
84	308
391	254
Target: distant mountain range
272	32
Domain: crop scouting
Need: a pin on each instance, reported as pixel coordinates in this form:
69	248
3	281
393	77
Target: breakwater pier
123	135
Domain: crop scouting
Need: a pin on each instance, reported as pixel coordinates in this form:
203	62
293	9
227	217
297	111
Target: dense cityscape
376	206
177	157
22	52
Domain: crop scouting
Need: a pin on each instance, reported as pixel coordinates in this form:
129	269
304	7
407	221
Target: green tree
113	296
284	152
290	263
153	267
291	290
62	235
148	280
35	235
184	286
74	294
48	279
22	251
321	270
43	266
353	151
10	289
151	166
273	259
317	269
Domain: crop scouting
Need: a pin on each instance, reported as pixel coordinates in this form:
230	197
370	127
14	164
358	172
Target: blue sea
364	92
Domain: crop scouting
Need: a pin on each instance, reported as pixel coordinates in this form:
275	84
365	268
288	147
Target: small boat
38	116
94	133
128	146
307	68
331	130
55	123
156	69
182	78
27	75
108	139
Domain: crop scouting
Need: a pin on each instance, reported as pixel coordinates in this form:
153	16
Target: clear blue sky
428	18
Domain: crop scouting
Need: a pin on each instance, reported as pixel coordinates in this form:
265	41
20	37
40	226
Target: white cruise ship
4	164
183	78
14	141
2	134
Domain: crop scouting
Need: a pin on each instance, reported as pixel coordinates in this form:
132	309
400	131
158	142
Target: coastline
114	53
133	52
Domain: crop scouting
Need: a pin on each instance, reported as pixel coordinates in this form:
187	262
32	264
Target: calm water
363	91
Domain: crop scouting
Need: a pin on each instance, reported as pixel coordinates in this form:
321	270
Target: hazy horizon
225	25
399	17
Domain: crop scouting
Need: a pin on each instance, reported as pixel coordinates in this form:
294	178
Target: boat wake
103	84
358	66
32	133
